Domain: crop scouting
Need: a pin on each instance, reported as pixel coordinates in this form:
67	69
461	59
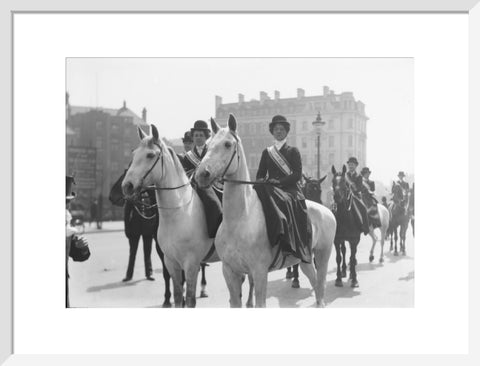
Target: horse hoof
381	260
354	283
371	258
289	275
338	282
395	254
404	253
344	273
203	294
320	304
166	305
249	305
295	283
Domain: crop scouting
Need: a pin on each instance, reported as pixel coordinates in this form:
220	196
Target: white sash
193	158
279	160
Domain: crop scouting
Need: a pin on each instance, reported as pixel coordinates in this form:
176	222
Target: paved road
97	282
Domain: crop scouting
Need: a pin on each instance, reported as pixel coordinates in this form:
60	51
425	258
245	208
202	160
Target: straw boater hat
69	194
201	126
401	174
365	170
281	120
352	160
187	137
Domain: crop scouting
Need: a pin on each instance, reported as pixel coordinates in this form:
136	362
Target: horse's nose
128	188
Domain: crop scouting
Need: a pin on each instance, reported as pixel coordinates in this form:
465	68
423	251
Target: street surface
98	281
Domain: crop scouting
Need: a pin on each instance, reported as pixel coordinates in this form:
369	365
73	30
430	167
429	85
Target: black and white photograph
240	182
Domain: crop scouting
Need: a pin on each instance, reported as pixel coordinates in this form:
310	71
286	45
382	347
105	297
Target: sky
178	91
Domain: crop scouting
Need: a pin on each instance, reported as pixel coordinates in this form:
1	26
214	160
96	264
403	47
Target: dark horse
399	217
312	190
347	227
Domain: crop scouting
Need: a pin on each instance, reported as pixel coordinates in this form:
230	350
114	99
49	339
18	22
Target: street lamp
317	125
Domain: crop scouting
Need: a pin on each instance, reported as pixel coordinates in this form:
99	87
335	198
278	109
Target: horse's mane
171	158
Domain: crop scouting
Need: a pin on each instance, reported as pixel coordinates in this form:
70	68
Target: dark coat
290	183
135	216
187	164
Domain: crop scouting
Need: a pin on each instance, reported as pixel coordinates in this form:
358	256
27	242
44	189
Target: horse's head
339	184
143	170
222	158
313	189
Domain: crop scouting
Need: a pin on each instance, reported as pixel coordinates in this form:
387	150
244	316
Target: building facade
343	135
99	147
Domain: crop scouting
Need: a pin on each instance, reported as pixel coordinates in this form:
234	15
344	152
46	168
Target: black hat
279	119
401	174
187	137
69	194
352	160
365	170
200	126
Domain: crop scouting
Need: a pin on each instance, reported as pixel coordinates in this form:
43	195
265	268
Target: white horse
385	221
182	233
242	242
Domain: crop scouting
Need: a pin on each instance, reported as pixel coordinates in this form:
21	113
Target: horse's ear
322	179
334	171
214	125
141	134
344	169
154	132
232	123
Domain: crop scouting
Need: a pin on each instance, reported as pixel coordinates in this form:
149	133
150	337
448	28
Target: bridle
154	187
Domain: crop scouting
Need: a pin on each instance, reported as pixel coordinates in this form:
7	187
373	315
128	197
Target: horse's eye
228	144
150	155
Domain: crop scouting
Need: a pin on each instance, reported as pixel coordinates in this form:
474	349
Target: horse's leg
344	260
395	231
374	242
353	262
191	276
260	278
338	281
289	274
175	271
309	270
203	282
234	284
250	292
412	222
403	236
383	234
322	256
166	277
295	282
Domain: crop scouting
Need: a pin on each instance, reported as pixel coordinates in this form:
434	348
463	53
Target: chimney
263	96
67	99
218	101
277	95
300	93
325	90
241	98
144	114
124	105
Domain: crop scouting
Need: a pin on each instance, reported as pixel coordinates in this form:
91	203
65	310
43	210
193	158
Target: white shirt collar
201	148
279	144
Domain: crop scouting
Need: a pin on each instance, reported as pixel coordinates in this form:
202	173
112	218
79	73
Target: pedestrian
141	220
93	212
282	200
69	231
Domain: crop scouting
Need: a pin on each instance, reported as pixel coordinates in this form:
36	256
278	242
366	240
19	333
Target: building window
350	124
331	141
350	140
304	142
330	124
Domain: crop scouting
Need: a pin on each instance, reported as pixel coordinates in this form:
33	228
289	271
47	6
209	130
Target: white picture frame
9	11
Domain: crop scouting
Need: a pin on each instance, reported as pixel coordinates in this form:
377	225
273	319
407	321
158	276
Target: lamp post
317	125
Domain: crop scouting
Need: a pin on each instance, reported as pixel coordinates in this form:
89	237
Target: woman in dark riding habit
283	201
